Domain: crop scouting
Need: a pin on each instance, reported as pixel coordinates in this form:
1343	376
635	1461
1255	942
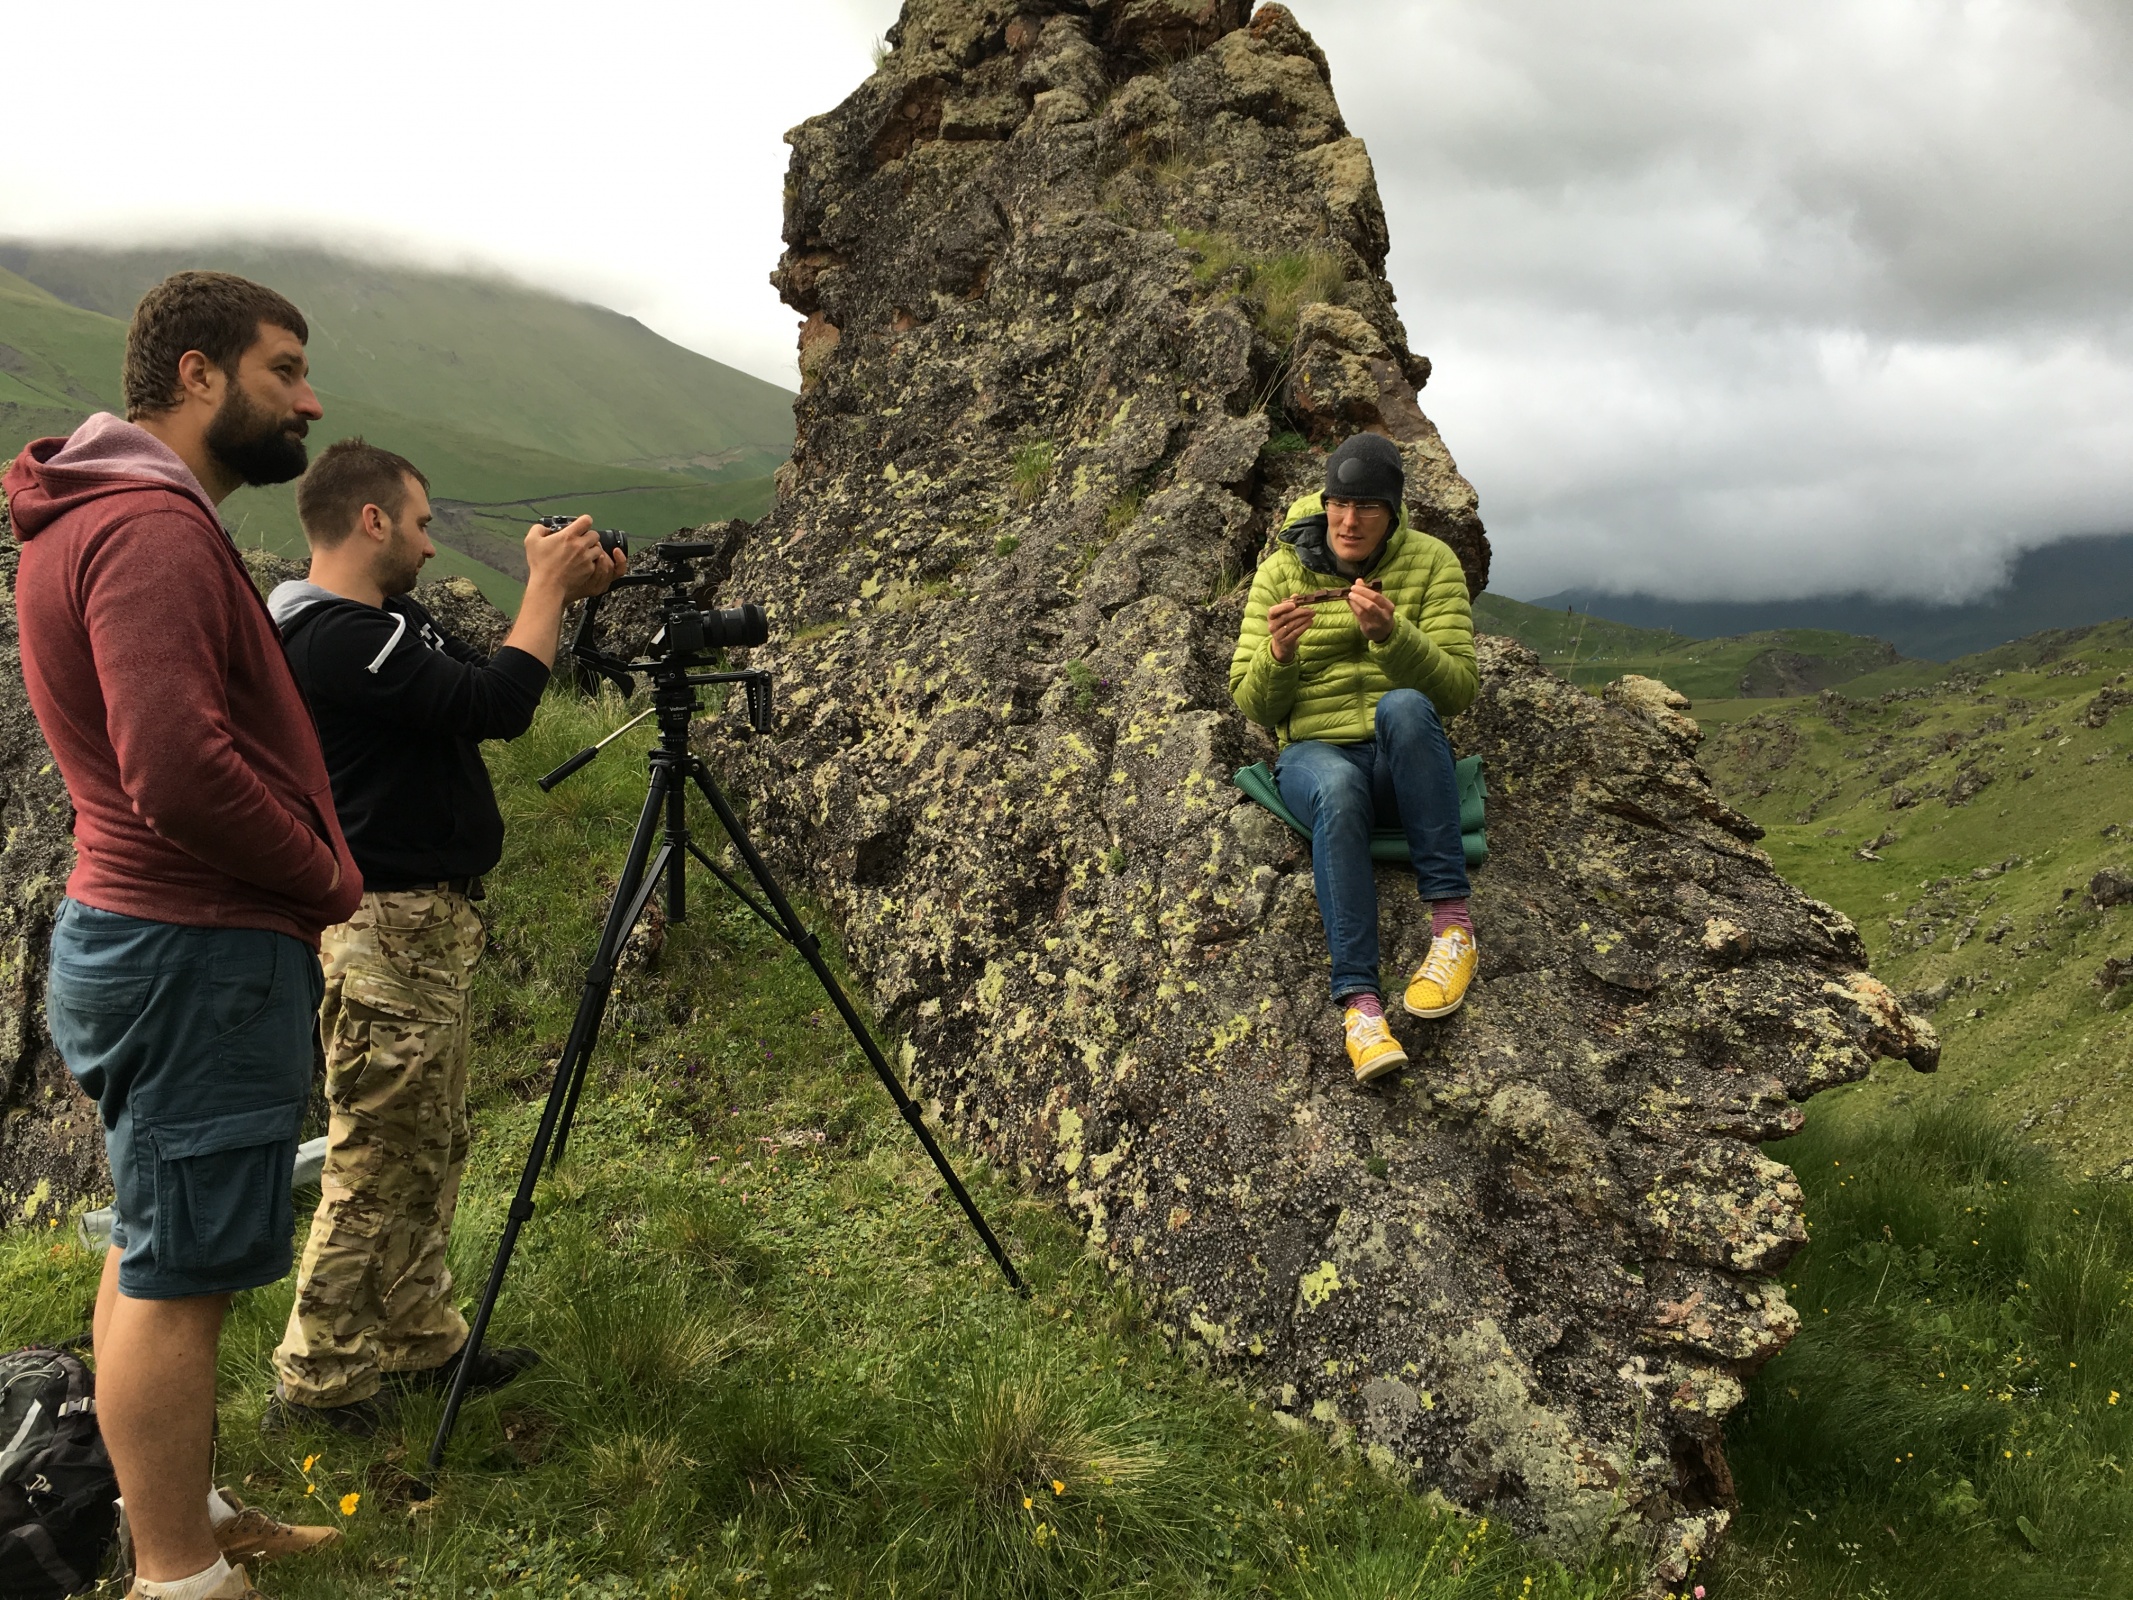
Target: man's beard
405	571
257	446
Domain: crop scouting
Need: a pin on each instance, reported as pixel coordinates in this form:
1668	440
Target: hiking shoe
361	1419
1372	1050
1440	983
252	1535
496	1366
235	1587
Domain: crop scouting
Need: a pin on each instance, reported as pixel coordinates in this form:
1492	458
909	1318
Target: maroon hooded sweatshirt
200	796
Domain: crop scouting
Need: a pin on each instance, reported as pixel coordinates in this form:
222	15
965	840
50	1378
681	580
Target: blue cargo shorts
195	1044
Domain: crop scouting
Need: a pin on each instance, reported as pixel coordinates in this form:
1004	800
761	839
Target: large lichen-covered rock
1088	292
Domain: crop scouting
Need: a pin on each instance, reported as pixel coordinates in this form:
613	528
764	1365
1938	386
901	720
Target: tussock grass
1282	287
1273	289
777	1362
1032	470
1955	1418
1119	515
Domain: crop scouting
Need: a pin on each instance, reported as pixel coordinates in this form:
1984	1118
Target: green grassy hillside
485	356
1960	827
1952	1420
1591	650
489	468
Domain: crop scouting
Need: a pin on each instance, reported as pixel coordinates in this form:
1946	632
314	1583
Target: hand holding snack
1373	612
1286	621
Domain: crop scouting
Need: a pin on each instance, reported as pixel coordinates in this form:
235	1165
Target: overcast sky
1725	300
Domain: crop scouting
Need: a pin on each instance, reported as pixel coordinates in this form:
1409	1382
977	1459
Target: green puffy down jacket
1331	690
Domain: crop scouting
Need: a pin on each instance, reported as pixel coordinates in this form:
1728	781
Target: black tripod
676	679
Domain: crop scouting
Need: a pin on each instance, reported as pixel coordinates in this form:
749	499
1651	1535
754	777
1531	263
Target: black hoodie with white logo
402	708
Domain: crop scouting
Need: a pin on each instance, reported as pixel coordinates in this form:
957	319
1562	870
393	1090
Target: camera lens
614	539
735	627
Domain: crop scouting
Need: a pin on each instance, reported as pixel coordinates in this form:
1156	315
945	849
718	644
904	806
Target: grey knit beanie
1366	466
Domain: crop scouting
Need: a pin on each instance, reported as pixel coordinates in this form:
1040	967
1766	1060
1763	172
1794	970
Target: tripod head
679	660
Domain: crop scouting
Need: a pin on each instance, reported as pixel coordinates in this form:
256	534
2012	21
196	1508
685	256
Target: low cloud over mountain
1733	303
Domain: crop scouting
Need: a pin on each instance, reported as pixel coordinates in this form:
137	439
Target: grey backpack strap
25	1442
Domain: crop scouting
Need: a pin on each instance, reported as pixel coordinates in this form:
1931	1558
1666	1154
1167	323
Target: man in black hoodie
402	709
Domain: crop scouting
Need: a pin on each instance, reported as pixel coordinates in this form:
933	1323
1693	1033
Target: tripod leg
584	1029
647	886
806	944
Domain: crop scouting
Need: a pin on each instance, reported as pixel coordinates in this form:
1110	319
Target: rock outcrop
1089	290
51	1146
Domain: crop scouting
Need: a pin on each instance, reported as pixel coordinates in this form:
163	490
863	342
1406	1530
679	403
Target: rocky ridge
1089	290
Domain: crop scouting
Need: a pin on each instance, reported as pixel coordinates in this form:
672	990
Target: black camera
612	540
684	628
676	654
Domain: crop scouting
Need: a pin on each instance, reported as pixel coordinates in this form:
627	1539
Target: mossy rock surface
1534	1271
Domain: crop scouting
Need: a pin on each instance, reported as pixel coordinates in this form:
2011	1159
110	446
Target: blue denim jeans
1402	777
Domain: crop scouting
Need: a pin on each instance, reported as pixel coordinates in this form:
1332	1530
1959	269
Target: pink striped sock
1364	1001
1449	914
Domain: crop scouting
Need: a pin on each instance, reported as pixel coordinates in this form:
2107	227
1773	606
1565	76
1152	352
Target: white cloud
630	152
1724	300
1733	302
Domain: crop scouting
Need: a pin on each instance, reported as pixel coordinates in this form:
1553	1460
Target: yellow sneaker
1440	983
1372	1050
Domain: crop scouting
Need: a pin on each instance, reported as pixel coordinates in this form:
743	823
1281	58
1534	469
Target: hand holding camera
579	559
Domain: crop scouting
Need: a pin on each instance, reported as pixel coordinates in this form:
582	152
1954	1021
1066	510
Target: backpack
58	1494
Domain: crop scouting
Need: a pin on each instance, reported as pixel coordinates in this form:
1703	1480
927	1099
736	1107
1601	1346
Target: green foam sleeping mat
1389	844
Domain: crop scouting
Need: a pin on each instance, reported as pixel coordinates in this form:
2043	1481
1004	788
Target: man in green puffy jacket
1357	685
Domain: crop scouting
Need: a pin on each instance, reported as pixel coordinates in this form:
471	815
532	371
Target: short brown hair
215	313
344	479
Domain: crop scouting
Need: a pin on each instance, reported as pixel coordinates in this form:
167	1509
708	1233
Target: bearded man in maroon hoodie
185	971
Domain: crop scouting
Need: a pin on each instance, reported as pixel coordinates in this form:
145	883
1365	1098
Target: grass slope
58	362
1951	1421
1990	803
778	1362
483	355
1590	651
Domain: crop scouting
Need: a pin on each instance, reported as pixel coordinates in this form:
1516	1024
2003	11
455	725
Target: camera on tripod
686	632
679	661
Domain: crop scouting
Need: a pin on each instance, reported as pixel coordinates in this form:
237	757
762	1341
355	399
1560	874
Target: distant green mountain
1591	650
1959	821
514	402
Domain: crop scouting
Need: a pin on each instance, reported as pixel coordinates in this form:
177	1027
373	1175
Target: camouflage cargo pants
373	1294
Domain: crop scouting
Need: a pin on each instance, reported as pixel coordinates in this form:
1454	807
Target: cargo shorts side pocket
223	1208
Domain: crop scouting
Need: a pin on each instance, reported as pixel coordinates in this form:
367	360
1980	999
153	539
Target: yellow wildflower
1058	1487
349	1503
